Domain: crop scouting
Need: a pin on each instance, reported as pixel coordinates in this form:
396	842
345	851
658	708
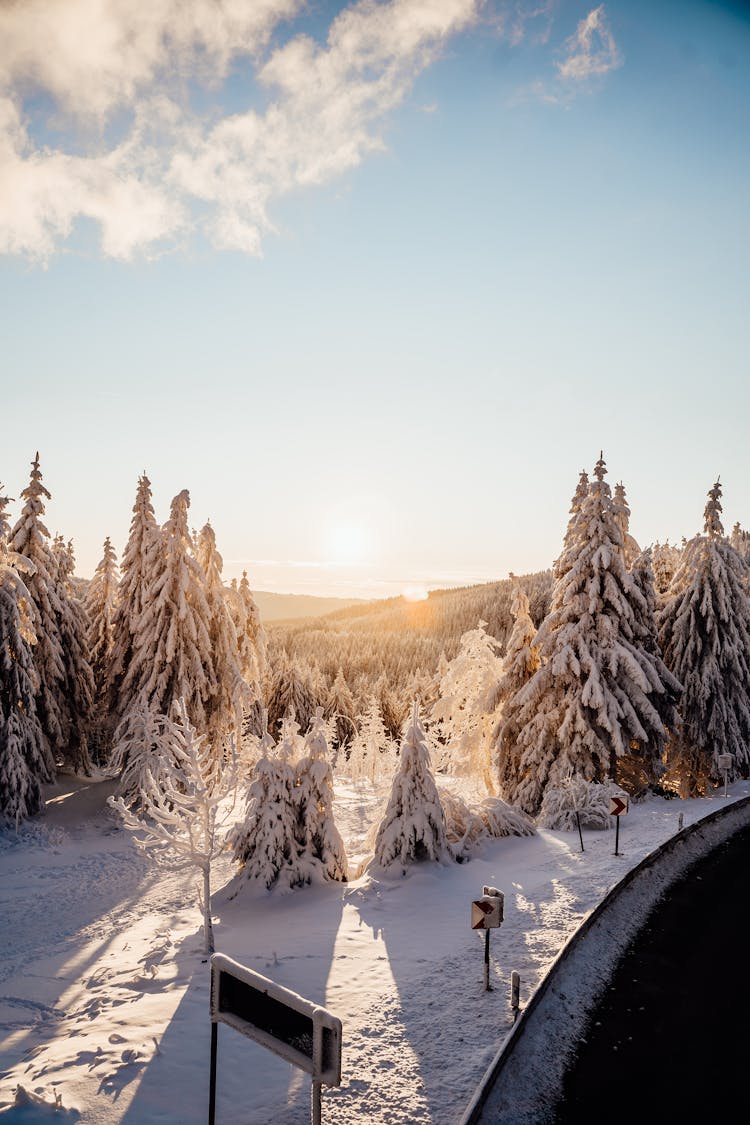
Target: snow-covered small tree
30	538
574	795
740	540
462	716
340	708
137	573
390	708
704	632
78	687
372	750
225	707
413	824
322	856
467	824
665	560
182	792
22	765
101	604
171	653
265	842
621	510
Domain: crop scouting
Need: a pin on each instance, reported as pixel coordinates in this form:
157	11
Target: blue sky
383	323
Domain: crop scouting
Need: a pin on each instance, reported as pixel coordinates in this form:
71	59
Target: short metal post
315	1104
578	822
515	993
617	837
487	986
212	1079
680	822
726	782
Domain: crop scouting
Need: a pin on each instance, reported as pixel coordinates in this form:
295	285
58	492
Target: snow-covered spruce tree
172	656
22	764
264	842
390	707
251	637
290	694
78	688
101	604
580	494
665	560
30	538
462	720
413	824
372	750
322	856
136	575
740	540
183	789
593	697
520	663
225	708
704	631
622	513
340	708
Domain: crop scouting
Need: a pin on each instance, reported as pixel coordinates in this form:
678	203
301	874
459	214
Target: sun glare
348	543
415	594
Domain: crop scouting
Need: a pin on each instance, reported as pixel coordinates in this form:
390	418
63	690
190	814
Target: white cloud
108	68
592	50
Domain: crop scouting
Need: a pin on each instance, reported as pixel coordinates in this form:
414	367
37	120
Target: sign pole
578	822
617	837
726	781
515	993
487	986
316	1107
212	1080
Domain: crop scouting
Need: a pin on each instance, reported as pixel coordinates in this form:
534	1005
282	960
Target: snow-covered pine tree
463	722
78	688
594	694
413	824
322	856
172	656
183	789
225	708
22	746
251	637
704	632
136	575
665	560
101	604
372	750
340	708
30	538
622	512
290	694
740	540
580	494
520	662
390	708
264	842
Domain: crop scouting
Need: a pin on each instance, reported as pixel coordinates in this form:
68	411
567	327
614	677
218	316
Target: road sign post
299	1031
618	806
578	822
725	764
515	994
487	914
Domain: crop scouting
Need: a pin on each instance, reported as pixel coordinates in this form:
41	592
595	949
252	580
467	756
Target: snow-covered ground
104	988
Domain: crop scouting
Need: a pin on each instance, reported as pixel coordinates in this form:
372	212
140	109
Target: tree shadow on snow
261	930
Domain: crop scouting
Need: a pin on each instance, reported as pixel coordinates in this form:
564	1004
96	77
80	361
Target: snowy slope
104	991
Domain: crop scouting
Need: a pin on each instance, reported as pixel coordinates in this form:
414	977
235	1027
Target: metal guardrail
504	1055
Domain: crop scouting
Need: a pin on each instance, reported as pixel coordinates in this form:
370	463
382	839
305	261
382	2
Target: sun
415	594
348	542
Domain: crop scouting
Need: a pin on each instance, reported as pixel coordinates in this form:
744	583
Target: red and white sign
486	912
618	806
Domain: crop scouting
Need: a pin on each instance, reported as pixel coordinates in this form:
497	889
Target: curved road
670	1040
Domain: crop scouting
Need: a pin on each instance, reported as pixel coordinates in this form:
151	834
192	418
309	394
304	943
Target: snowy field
104	993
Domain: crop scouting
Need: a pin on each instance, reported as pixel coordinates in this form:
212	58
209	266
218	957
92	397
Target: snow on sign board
724	762
618	806
487	912
294	1028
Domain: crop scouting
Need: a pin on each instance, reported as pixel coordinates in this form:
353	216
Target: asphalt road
670	1041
